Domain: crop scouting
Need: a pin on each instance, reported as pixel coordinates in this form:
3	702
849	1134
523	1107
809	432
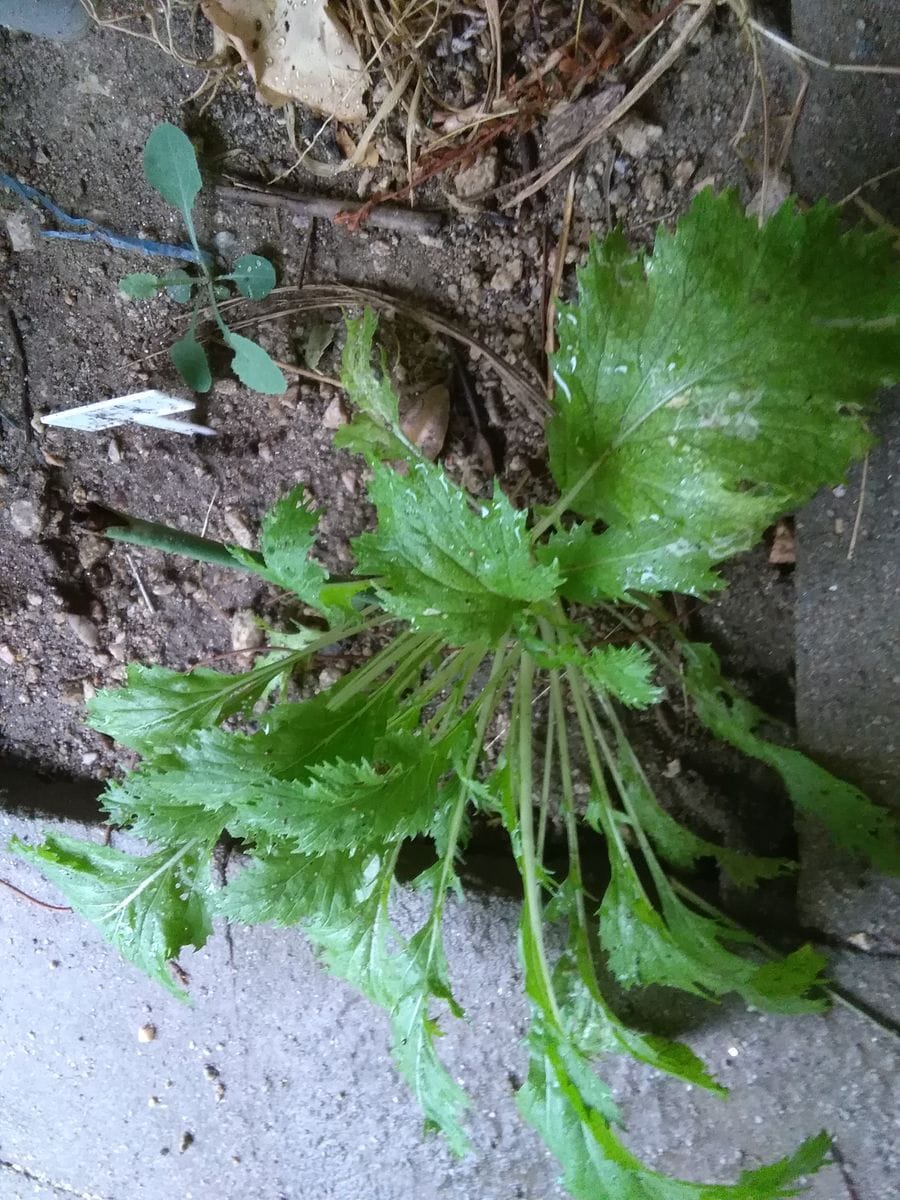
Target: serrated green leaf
148	908
678	845
710	387
677	947
594	1028
191	363
341	901
445	566
254	367
851	819
287	888
288	537
625	671
252	275
170	166
140	285
646	558
158	706
596	1165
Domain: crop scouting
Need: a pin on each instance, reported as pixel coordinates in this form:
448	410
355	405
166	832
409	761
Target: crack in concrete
62	1189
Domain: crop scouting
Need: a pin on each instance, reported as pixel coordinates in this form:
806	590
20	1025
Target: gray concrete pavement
282	1079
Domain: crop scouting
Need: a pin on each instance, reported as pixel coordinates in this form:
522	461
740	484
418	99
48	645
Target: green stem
403	646
533	909
564	502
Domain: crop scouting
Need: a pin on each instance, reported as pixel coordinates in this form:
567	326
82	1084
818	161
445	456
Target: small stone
84	629
34	599
26	518
187	1140
653	187
119	651
335	415
6	656
72	693
88	760
210	1071
245	631
862	941
153	1102
349	480
672	768
113	451
19	233
480	177
146	1033
636	136
32	674
506	277
329	676
88	691
92	550
683	172
238	528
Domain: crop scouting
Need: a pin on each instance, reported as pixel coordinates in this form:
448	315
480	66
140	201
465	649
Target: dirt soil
71	608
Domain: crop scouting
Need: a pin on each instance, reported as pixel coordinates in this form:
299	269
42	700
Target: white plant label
152	408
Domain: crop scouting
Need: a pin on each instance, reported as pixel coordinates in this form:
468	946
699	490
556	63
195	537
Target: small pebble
506	277
146	1033
245	631
6	656
34	599
187	1140
238	528
26	518
84	629
335	415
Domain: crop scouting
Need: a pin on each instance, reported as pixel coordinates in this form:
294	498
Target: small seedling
701	392
170	166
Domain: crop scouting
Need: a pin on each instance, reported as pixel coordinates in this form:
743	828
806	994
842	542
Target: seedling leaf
191	363
252	275
170	166
140	285
254	367
180	286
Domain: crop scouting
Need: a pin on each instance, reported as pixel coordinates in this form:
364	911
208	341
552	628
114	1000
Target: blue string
96	233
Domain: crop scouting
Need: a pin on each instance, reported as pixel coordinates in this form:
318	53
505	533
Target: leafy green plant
701	392
170	166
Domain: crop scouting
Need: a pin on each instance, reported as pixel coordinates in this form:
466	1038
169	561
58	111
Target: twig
859	507
212	500
34	900
603	126
385	216
868	183
305	373
145	595
797	53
